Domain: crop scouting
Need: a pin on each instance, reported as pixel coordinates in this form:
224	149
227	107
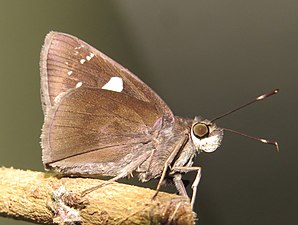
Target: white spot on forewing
82	61
69	72
90	56
114	84
79	84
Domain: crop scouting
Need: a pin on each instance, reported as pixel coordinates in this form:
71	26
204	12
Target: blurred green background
203	58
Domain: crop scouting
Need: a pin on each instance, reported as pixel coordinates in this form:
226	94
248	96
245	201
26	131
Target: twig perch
43	198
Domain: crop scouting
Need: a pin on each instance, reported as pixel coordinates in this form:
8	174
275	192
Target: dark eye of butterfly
200	130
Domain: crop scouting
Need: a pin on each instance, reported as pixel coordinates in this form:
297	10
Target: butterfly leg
168	162
179	184
125	172
87	191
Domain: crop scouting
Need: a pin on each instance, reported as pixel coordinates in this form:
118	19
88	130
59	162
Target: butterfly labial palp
102	120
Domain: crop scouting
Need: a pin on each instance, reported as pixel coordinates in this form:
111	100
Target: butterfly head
206	136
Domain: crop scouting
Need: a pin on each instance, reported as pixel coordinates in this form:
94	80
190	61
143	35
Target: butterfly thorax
170	137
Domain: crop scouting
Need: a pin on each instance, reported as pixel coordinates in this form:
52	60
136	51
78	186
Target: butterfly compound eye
200	130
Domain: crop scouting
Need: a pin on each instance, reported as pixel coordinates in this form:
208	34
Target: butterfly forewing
68	62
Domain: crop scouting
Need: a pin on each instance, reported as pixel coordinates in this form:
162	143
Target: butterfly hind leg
126	171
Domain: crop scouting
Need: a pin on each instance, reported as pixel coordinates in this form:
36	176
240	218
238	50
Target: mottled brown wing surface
92	126
67	61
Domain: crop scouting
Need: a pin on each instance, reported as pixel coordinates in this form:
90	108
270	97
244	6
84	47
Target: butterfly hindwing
97	126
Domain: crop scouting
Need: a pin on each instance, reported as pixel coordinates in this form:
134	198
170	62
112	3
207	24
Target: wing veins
107	110
95	149
97	115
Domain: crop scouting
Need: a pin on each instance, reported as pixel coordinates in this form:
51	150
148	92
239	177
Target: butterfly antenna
259	98
262	140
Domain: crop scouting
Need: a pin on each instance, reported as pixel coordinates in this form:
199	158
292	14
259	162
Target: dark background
203	58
